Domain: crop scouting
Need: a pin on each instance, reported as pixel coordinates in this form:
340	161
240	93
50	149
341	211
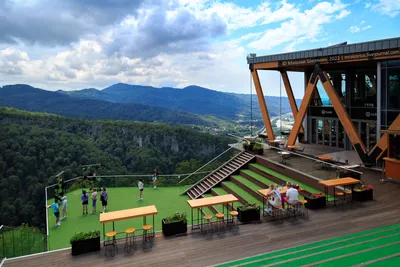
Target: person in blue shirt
85	200
56	211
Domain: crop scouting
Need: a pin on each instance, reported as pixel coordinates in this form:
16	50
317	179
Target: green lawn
166	199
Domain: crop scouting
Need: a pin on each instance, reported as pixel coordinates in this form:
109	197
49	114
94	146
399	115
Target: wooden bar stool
111	243
340	198
303	209
220	218
235	225
130	239
207	224
347	195
148	235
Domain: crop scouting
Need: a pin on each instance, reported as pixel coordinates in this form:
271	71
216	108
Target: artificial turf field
166	199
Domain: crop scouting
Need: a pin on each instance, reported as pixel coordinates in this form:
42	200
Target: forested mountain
193	99
32	99
36	146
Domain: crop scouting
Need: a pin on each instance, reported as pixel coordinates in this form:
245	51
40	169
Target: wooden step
227	189
247	189
190	194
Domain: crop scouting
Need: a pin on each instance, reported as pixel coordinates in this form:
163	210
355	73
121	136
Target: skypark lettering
339	58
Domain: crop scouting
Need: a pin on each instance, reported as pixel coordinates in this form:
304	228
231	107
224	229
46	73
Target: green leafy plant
177	217
316	195
249	206
84	236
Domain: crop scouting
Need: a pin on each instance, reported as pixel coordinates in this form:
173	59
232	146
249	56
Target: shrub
177	217
316	195
84	236
249	206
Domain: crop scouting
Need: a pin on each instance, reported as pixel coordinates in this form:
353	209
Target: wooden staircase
219	175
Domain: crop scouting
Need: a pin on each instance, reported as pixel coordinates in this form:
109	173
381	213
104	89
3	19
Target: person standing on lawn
85	201
104	198
64	207
56	212
94	200
155	177
140	185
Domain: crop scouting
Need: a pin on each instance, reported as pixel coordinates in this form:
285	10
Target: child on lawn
140	185
94	200
85	200
155	176
104	198
64	207
56	212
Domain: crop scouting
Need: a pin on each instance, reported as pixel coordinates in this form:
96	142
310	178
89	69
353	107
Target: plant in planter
248	213
363	193
175	224
315	201
258	148
85	242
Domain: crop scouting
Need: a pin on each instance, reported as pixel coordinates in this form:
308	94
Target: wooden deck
197	250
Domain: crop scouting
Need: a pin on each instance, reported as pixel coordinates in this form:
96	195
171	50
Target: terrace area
260	237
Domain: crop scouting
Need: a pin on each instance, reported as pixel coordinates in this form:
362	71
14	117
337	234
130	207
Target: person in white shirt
140	185
94	200
292	195
64	207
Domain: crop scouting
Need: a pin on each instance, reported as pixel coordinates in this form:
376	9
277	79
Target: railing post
4	248
13	243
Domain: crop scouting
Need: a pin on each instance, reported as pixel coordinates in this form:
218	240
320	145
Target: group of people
275	199
85	200
141	184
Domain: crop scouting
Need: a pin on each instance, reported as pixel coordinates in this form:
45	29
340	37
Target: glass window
393	88
364	90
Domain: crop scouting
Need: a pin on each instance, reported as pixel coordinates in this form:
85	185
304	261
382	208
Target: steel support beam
263	106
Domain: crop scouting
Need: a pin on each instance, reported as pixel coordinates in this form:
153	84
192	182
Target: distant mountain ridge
28	98
193	99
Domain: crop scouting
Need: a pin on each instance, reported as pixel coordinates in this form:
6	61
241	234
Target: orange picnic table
127	214
338	182
210	201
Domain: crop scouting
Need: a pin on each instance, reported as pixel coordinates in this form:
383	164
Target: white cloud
387	7
306	25
355	29
343	14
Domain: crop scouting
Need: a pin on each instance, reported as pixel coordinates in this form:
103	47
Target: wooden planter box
363	195
85	246
315	203
175	228
248	215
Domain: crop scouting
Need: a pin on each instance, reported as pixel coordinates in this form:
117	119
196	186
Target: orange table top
127	214
392	160
325	157
211	201
265	192
339	182
294	147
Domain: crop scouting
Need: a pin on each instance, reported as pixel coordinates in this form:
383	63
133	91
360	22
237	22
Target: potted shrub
175	224
363	193
85	242
258	148
315	201
248	213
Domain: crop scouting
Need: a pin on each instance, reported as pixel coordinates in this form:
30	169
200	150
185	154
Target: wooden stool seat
277	207
147	227
220	215
207	217
357	190
339	193
234	213
347	191
130	230
302	201
111	234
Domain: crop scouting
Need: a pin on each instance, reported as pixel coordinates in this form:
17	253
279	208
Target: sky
75	44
